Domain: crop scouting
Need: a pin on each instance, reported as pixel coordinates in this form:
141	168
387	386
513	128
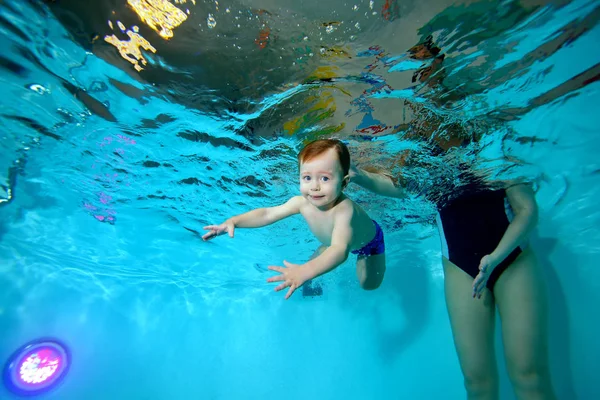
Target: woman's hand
486	266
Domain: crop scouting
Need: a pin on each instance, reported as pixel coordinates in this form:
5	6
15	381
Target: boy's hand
216	230
292	275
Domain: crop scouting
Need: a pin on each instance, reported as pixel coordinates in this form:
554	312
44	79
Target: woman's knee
527	377
481	385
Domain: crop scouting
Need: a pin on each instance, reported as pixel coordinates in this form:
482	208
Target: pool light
37	367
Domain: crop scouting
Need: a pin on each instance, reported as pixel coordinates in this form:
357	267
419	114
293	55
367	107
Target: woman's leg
472	322
521	298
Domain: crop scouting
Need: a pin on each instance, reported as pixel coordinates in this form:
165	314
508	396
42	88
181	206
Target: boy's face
322	180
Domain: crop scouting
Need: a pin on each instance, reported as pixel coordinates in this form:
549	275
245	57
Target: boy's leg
521	298
472	323
370	271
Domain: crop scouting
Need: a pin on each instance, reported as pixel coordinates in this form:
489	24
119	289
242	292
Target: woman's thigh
472	321
521	297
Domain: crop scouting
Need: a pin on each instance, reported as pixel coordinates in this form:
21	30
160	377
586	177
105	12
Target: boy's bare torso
321	223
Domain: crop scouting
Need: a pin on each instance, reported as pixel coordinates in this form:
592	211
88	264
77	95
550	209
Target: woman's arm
376	181
522	200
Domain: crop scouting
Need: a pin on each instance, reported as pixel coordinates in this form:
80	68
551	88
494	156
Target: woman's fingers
479	284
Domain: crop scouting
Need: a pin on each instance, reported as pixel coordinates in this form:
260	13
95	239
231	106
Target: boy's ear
345	181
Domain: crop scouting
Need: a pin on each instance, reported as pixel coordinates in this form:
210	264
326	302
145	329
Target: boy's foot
311	290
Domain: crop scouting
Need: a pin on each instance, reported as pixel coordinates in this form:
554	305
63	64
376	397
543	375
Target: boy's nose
314	185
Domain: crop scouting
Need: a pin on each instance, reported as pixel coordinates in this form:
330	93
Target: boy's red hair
320	146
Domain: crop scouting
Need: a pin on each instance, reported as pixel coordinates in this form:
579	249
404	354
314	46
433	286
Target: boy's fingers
230	230
290	292
275	268
208	235
277	278
282	286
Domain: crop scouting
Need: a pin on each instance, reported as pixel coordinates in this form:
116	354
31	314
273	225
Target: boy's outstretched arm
294	276
339	249
255	218
376	182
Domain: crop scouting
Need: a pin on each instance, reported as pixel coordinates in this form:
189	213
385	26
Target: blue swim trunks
375	246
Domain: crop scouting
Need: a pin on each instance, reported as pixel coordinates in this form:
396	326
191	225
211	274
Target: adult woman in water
487	266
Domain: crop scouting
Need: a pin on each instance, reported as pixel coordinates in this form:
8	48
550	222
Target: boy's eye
324	178
306	178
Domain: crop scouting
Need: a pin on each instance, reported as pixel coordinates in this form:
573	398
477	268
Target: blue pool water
108	174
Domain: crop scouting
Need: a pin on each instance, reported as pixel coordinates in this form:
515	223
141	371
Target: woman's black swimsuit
471	226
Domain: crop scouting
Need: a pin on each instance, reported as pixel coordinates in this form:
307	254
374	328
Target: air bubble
210	21
39	89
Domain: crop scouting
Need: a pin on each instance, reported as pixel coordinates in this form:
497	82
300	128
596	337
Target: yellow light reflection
324	72
335	52
160	15
323	107
130	49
